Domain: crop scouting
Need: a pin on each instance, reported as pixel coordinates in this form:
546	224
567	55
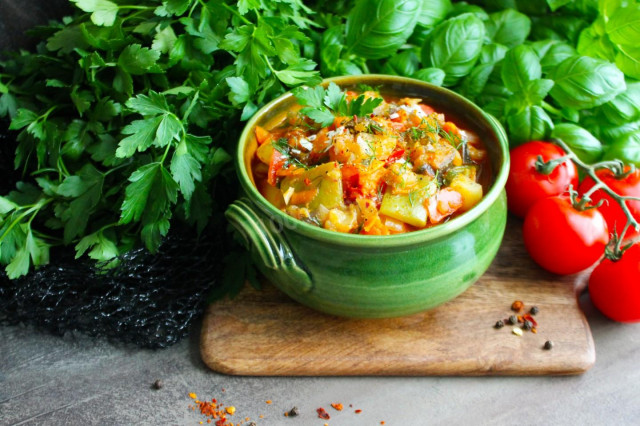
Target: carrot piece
262	135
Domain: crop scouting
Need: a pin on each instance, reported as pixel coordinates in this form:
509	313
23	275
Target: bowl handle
269	245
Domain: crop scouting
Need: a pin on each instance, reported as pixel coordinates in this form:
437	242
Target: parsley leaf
104	12
138	60
324	105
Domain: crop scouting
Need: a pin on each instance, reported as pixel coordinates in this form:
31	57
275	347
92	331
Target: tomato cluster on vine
570	225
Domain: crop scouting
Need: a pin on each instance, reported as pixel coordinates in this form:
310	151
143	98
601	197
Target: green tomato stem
617	167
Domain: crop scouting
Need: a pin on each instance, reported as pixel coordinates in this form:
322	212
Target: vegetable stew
379	165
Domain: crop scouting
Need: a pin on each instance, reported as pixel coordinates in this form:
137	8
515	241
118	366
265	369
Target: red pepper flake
307	181
214	410
337	406
358	411
517	306
529	317
322	414
268	401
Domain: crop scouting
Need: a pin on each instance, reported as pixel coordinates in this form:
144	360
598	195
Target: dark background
17	16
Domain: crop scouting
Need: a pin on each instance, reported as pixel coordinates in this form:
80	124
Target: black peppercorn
499	324
548	345
527	325
534	310
293	412
157	385
513	320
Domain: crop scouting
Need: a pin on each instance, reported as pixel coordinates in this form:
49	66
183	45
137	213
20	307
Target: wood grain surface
265	333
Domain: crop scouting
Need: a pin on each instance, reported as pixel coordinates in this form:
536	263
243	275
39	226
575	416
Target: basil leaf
378	28
581	142
430	75
542	47
623	27
611	133
492	53
628	60
626	149
532	123
460	8
594	43
474	83
405	64
433	12
454	47
508	27
520	66
584	82
556	4
625	107
559	26
556	53
606	8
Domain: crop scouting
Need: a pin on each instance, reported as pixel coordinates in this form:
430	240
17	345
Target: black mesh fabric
149	300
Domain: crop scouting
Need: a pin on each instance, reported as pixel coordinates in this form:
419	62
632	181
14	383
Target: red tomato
612	212
562	239
614	287
526	185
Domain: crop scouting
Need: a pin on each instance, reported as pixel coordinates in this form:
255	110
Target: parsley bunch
126	116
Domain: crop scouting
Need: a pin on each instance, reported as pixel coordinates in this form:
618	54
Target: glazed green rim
356	240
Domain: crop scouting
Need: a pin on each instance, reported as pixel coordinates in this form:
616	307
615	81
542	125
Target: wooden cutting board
264	333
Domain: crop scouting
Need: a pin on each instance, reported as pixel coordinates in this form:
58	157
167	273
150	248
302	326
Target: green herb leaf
520	66
584	82
623	27
138	60
581	142
430	75
155	103
142	181
455	46
508	27
103	12
142	134
185	170
532	123
102	247
377	28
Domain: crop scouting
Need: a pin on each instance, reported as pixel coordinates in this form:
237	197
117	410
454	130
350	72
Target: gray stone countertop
77	380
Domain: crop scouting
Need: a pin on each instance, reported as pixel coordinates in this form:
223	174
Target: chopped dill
282	146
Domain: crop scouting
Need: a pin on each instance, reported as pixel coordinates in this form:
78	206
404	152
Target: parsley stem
166	152
133	7
35	209
126	164
190	108
233	11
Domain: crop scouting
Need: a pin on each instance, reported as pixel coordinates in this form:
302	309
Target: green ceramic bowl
375	276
